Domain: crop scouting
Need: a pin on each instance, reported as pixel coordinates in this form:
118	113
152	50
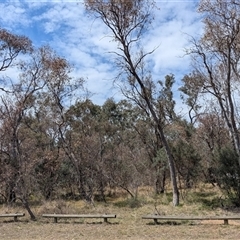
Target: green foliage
228	175
165	198
187	157
187	161
131	202
206	199
165	100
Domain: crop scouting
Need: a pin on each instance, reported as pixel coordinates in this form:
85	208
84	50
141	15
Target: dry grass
127	225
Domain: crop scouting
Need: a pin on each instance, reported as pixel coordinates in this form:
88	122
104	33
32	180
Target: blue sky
84	41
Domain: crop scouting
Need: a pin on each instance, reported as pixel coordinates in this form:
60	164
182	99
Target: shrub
228	175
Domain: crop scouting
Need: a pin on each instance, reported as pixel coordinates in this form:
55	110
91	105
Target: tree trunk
160	182
126	20
145	96
27	207
171	164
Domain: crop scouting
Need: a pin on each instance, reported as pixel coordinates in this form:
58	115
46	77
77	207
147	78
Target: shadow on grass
208	200
173	223
131	203
12	221
82	222
62	222
104	223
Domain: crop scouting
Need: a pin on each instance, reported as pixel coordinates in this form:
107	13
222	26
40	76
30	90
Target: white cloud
11	14
173	24
85	41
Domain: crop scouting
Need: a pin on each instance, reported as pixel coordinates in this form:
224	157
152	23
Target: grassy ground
128	224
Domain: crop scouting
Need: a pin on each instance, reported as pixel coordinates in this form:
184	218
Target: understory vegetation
204	200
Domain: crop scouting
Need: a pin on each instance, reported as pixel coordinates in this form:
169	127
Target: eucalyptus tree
128	21
47	155
15	106
211	137
84	146
190	94
183	142
22	98
149	135
216	59
60	90
125	154
108	151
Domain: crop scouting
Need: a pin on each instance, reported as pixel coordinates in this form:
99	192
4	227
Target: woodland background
55	143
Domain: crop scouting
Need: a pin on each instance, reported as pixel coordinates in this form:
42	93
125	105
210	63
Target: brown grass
127	225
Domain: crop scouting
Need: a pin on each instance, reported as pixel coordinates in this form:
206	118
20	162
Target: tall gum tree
13	103
216	58
41	72
128	21
15	106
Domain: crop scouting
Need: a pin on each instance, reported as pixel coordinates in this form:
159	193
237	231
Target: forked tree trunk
171	168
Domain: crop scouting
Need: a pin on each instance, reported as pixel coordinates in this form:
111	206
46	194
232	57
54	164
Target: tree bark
27	207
